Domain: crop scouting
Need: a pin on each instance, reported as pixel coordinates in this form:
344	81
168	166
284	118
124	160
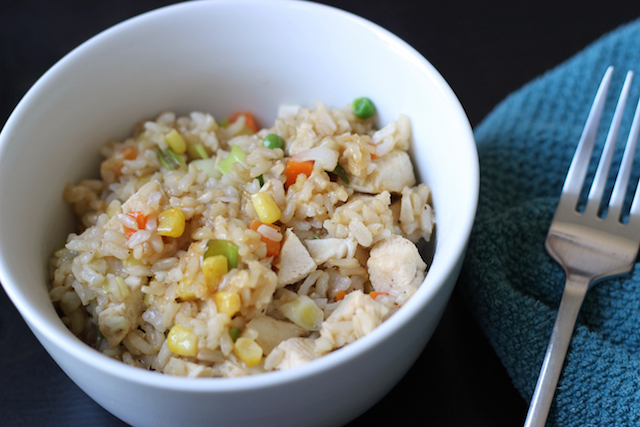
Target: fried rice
206	249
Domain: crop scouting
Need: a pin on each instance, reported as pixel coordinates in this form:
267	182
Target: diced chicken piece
305	139
294	262
395	266
291	353
357	315
148	199
286	110
395	135
393	172
255	285
272	332
322	250
183	368
118	319
230	368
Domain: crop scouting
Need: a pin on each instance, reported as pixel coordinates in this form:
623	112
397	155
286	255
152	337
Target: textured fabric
510	282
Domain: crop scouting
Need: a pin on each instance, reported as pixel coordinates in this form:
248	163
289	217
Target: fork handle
572	297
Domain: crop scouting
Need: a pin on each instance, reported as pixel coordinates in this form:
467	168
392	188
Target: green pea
273	141
363	107
234	333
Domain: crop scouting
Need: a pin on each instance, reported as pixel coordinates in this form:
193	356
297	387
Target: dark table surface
485	50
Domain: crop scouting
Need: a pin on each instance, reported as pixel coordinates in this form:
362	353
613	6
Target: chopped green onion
117	323
170	154
314	237
234	333
261	180
273	141
197	151
170	160
340	172
363	107
164	161
235	156
223	123
223	247
208	166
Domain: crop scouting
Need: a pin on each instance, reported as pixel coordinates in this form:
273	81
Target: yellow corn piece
266	207
171	223
175	141
248	351
213	268
182	341
185	290
227	302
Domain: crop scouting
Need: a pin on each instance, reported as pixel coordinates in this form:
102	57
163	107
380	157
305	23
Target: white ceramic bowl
221	56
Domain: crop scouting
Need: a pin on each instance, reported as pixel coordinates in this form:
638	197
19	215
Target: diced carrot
129	152
375	294
374	155
294	169
273	247
140	218
340	295
249	120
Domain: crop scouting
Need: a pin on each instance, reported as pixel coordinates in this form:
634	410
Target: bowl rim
72	345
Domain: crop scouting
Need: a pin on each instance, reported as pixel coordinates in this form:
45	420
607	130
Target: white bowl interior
217	57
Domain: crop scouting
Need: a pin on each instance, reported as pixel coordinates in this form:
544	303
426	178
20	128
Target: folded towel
510	282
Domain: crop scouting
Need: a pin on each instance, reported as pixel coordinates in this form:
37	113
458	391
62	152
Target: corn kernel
171	223
248	351
213	268
266	207
182	341
227	302
185	290
175	141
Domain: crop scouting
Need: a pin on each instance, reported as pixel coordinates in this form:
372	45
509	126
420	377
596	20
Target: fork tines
580	163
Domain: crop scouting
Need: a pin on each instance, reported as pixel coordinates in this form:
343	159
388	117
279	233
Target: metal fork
589	246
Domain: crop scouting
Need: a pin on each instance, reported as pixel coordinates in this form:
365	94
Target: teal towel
510	282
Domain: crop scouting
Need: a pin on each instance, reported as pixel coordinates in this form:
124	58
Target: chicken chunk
183	368
393	172
357	315
117	320
294	262
395	267
272	332
148	200
291	353
322	250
